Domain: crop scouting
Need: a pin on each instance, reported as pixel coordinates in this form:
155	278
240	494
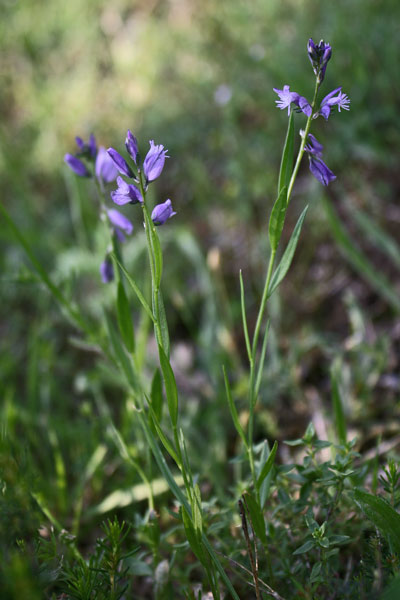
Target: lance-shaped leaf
277	219
287	257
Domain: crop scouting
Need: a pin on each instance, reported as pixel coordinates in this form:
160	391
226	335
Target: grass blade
233	411
267	465
244	319
357	259
125	318
135	288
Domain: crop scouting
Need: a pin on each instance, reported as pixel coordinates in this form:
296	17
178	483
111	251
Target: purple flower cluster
105	166
81	163
153	164
319	55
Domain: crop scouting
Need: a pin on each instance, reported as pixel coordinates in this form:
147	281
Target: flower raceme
319	55
153	164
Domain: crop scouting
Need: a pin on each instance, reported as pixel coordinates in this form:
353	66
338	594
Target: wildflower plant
321	483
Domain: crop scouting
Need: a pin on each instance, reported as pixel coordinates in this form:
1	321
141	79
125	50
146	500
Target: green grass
101	497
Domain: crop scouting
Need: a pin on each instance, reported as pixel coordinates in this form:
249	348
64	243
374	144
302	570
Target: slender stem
303	142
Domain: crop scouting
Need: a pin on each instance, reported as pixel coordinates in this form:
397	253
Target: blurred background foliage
196	76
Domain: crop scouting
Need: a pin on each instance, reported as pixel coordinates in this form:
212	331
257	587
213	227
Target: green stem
264	299
303	142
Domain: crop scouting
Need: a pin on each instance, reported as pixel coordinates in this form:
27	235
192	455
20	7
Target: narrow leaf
170	386
382	515
164	468
233	411
257	517
73	314
196	510
277	219
377	235
244	318
267	465
156	394
123	359
285	171
340	420
261	362
125	318
286	260
192	536
305	547
135	288
162	320
357	259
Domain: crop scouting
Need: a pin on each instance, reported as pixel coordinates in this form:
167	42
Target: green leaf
261	362
164	468
73	315
135	288
257	517
286	168
315	572
305	547
171	391
392	591
357	259
340	420
233	411
287	257
157	395
378	236
382	515
123	359
267	465
196	510
125	318
192	536
277	219
244	318
162	319
158	258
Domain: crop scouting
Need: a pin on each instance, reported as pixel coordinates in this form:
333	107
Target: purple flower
334	98
126	193
314	146
320	171
319	55
131	145
317	166
107	270
89	147
105	168
120	163
162	212
76	165
120	223
286	97
304	105
154	161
